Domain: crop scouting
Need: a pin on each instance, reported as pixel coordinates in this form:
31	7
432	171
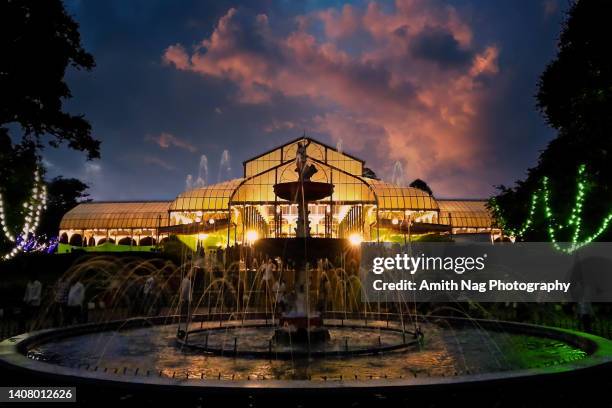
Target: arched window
106	240
147	241
127	241
76	240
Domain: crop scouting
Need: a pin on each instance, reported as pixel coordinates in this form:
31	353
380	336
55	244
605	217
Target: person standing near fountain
60	300
267	278
186	294
31	298
279	288
76	296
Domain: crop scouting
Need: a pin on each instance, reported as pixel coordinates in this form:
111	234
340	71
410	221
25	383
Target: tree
38	41
16	181
62	195
369	173
421	185
575	97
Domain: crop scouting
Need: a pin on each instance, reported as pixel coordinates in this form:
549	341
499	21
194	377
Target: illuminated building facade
244	209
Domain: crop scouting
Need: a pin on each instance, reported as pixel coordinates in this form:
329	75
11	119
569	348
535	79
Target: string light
33	208
552	226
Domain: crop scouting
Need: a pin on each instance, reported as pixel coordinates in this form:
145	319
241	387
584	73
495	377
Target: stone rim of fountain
13	355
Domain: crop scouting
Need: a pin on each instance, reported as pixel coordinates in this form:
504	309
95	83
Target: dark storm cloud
440	46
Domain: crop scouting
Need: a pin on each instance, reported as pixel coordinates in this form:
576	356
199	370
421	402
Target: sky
437	90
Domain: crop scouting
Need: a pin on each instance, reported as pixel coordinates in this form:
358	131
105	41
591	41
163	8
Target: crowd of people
67	307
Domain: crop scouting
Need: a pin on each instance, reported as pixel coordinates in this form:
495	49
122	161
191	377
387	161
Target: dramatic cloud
166	140
403	85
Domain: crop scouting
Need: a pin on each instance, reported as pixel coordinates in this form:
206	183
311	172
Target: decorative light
211	221
355	239
394	221
552	226
33	205
252	236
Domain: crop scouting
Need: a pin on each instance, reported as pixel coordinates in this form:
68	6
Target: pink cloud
177	56
166	140
409	89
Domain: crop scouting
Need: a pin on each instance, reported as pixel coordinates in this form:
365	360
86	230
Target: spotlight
394	221
251	236
355	239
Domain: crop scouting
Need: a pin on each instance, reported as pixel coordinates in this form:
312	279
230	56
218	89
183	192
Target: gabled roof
297	140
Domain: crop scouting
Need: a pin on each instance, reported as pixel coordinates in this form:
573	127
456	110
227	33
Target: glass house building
244	209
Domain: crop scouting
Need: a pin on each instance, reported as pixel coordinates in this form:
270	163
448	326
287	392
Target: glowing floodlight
251	236
355	239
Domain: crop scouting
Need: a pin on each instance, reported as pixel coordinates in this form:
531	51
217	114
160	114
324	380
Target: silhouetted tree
369	173
575	97
421	185
38	41
62	195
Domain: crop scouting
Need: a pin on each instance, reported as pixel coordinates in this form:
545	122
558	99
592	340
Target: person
268	273
185	299
279	289
76	297
60	299
268	276
31	298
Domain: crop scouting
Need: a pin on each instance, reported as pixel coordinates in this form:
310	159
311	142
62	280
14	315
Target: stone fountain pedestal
301	325
301	328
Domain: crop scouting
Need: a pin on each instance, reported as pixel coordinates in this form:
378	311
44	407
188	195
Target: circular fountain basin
455	351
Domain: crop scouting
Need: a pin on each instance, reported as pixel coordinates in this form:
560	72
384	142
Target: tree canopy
421	185
62	195
38	41
574	95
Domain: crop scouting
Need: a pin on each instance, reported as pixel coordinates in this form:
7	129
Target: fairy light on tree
553	228
33	208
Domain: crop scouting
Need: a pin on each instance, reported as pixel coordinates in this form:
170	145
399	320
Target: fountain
232	341
301	325
232	351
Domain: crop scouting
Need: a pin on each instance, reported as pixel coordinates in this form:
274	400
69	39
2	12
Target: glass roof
392	197
464	213
315	150
276	166
116	215
213	197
